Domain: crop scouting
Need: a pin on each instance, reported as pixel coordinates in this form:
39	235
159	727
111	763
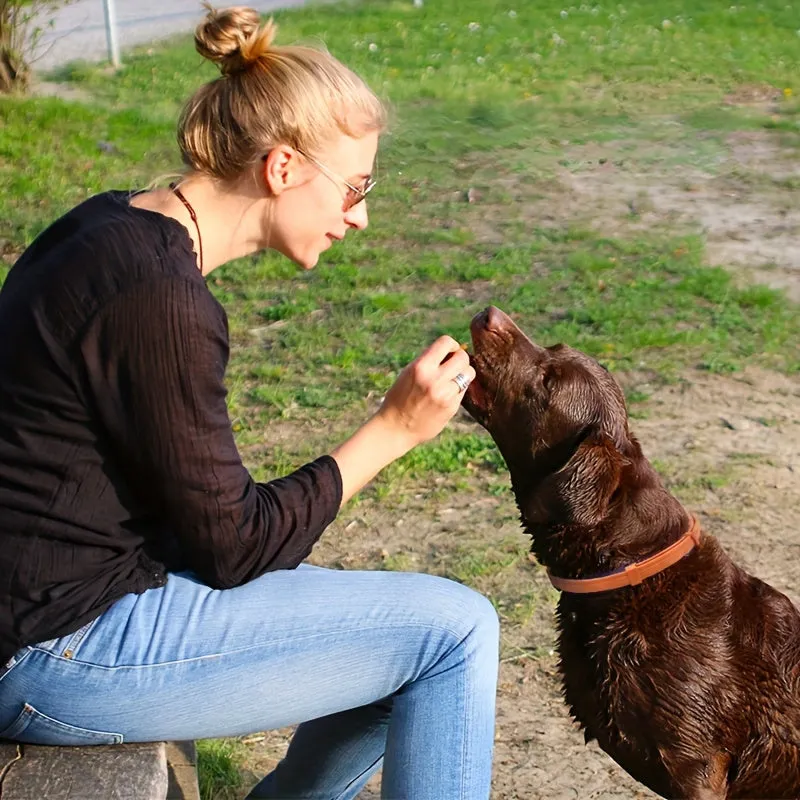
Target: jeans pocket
33	727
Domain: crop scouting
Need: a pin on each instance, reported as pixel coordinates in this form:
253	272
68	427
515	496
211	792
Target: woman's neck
231	220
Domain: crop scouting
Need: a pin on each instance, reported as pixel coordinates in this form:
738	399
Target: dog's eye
549	379
531	391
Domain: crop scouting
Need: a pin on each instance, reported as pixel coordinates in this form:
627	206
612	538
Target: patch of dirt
754	228
747	208
762	96
728	447
743	434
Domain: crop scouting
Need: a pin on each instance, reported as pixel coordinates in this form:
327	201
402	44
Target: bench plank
116	772
182	764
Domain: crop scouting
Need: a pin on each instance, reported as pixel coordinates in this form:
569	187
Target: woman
149	589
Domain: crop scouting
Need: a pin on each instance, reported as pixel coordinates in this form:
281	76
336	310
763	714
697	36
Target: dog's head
558	418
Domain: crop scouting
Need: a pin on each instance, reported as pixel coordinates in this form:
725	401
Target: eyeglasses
354	195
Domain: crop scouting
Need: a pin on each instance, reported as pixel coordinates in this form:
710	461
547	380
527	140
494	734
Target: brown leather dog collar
633	574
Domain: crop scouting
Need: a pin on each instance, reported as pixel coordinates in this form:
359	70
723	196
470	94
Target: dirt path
745	205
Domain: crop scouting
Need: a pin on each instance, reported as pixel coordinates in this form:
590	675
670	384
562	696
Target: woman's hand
425	395
420	403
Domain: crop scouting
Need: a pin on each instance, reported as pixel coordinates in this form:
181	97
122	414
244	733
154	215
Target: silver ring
462	382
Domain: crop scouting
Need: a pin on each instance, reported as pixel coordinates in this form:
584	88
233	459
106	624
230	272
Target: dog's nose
496	319
491	320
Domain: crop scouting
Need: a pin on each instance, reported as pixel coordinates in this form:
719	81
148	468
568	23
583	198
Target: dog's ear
579	493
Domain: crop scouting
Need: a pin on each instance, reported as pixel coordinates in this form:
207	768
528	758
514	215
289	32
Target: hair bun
233	38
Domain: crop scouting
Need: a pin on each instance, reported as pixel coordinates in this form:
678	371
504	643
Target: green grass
217	768
468	565
495	97
694	488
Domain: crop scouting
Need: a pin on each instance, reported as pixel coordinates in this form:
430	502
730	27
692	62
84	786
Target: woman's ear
281	169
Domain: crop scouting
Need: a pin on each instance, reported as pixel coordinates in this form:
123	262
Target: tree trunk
11	78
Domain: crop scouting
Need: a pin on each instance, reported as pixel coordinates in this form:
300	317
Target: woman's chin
305	261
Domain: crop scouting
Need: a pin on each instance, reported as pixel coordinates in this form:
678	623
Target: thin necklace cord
179	194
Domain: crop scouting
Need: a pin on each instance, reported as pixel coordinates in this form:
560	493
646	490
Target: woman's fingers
457	365
440	349
454	375
442	361
426	395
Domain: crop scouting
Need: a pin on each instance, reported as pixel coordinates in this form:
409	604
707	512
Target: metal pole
111	33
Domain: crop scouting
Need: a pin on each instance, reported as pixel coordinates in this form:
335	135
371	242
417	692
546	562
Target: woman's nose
357	217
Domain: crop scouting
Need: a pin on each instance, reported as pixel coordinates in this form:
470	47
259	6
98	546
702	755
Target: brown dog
689	680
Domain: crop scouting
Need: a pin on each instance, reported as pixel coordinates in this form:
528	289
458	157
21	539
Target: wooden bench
148	771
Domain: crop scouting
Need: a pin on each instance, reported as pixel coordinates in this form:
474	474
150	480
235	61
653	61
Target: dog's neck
643	520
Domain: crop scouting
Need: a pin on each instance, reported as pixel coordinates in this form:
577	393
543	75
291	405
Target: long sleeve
155	360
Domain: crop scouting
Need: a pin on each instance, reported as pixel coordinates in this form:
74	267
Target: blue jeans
381	668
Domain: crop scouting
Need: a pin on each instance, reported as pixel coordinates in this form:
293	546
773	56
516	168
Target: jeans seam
467	727
77	637
358	777
208	656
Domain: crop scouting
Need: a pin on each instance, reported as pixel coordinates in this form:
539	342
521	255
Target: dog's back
690	682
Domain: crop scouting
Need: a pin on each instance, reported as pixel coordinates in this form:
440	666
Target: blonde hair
267	95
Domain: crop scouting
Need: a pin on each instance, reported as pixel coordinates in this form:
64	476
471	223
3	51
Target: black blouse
117	457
